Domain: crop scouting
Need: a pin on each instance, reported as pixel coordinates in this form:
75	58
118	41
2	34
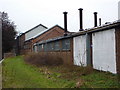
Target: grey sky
29	13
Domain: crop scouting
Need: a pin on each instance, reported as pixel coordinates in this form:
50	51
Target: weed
39	59
17	74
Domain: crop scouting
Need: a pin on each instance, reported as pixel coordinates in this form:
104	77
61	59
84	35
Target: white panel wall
34	32
104	54
79	50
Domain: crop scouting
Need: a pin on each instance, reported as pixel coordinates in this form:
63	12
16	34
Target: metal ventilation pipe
65	23
81	19
99	21
95	19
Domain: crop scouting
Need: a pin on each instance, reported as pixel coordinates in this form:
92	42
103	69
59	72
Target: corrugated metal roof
99	28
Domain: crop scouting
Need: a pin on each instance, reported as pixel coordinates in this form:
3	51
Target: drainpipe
81	19
65	23
95	19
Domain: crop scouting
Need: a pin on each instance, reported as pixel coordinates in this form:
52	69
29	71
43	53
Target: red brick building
26	44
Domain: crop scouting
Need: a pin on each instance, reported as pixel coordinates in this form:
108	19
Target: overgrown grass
18	74
101	80
86	77
39	59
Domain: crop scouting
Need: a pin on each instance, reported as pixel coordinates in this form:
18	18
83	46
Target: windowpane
50	46
45	47
66	44
39	48
35	48
56	45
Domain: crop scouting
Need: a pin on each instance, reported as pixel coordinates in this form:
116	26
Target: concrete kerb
1	74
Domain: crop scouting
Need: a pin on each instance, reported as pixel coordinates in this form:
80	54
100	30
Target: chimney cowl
80	9
65	12
95	12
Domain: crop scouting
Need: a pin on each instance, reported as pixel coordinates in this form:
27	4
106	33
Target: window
50	46
35	48
56	46
39	48
45	47
66	44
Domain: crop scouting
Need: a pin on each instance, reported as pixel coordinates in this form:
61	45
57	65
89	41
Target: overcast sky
28	13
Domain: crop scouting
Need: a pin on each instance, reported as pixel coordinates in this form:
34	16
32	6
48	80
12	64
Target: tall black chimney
65	23
95	19
81	17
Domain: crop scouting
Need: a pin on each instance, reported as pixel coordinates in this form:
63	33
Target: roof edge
36	27
50	29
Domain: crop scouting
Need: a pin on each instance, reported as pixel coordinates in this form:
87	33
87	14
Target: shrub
39	59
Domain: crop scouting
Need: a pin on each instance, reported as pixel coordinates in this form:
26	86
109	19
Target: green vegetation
19	74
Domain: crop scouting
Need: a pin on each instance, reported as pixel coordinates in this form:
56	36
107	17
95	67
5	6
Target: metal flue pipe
65	23
81	19
95	19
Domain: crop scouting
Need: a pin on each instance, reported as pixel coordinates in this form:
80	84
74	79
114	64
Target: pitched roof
46	30
36	27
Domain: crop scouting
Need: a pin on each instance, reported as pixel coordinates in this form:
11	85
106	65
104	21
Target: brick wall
117	32
26	47
21	41
52	33
65	55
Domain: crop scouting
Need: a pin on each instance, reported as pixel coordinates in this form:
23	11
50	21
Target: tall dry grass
40	59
